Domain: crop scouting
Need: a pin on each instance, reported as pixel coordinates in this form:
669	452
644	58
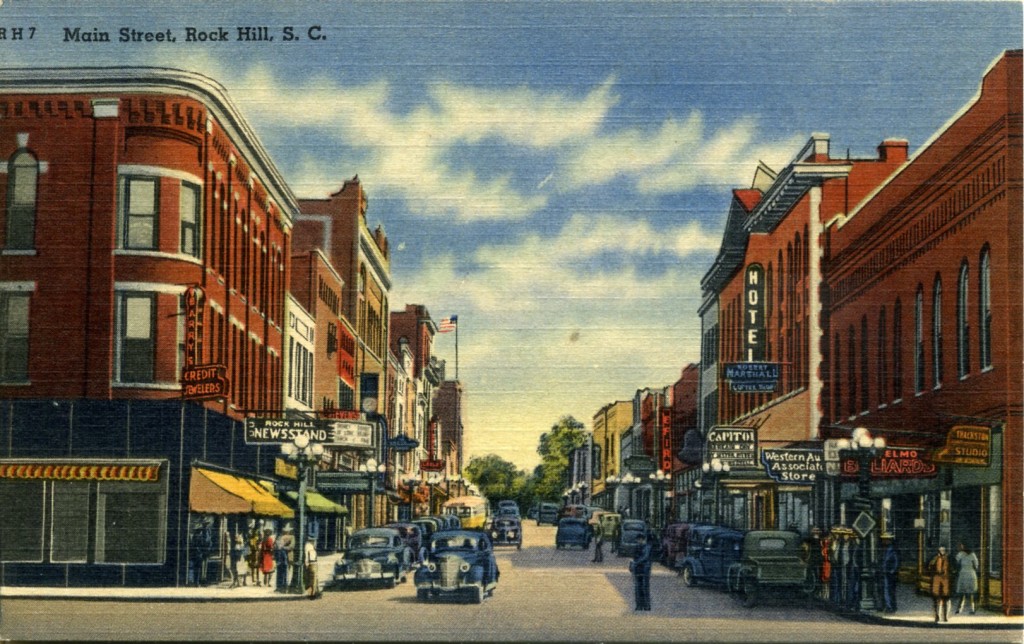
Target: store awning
212	492
316	502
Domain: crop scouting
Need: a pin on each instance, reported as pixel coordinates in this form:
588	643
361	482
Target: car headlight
464	567
494	534
431	566
392	559
512	534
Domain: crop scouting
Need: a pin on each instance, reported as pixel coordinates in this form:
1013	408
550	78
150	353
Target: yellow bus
472	511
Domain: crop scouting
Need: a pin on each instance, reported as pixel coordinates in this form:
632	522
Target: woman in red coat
267	555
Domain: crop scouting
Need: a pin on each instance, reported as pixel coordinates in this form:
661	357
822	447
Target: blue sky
555	173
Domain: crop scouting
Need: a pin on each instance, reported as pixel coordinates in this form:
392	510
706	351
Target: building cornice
146	80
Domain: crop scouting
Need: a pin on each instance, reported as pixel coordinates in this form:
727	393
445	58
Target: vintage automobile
711	552
547	513
531	513
507	507
412	535
609	523
573	532
374	556
629	534
507	531
460	563
428	526
770	562
674	542
575	511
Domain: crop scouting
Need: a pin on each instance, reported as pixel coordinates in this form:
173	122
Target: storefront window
69	529
130	520
21	531
995	531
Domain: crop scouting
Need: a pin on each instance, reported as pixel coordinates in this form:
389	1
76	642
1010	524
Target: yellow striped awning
316	502
81	470
212	492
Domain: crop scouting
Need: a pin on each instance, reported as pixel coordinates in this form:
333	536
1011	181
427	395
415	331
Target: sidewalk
213	593
917	610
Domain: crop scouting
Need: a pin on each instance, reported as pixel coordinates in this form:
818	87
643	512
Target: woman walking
967	577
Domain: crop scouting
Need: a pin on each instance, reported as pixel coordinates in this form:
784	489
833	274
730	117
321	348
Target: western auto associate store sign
893	463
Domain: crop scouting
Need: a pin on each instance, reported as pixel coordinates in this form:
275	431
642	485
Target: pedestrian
826	565
890	573
201	545
267	555
311	568
835	558
939	567
812	547
855	552
966	577
239	568
284	554
252	555
640	567
598	546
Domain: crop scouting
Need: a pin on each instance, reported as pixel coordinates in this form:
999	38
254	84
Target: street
543	594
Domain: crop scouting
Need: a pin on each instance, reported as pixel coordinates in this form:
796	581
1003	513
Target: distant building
607	426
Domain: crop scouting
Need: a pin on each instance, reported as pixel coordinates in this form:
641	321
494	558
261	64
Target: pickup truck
770	562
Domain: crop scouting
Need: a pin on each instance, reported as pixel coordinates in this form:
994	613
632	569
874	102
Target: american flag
448	324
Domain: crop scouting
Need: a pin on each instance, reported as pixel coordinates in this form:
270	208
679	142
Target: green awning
316	502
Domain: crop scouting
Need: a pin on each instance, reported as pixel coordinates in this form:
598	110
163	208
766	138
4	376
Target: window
49	521
188	212
897	350
919	340
985	312
851	369
995	531
937	331
963	336
837	379
22	180
883	365
864	393
13	337
141	196
136	337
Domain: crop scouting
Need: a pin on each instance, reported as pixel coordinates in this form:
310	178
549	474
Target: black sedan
460	563
374	556
507	531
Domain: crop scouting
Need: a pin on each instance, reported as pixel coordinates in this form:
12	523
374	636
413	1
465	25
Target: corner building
924	300
122	188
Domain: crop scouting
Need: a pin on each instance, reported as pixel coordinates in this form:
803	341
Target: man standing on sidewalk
939	567
890	573
311	568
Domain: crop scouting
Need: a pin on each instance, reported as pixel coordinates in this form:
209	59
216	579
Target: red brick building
122	188
924	303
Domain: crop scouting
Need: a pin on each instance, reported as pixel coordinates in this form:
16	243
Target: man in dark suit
641	569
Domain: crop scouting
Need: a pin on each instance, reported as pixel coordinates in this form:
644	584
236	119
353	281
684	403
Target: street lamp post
863	447
371	468
659	481
611	483
410	487
305	455
432	480
629	480
583	492
715	470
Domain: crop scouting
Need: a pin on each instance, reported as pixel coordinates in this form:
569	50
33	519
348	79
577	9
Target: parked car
710	553
629	534
507	507
507	531
547	513
610	524
532	512
374	555
575	511
412	535
573	532
770	562
428	526
460	563
674	542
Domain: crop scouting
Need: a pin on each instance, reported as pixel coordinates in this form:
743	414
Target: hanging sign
793	465
736	446
966	445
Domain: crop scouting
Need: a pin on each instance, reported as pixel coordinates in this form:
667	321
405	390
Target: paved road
544	594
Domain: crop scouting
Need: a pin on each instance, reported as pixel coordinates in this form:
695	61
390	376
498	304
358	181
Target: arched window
937	331
919	340
985	311
882	367
851	370
864	393
837	378
897	350
22	181
963	331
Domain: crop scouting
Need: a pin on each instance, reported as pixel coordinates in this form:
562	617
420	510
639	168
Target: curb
869	618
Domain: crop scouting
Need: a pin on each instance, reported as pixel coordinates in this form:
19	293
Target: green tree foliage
498	479
555	448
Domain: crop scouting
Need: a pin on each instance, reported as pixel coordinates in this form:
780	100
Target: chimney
893	150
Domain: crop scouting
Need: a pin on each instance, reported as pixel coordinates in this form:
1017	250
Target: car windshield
370	540
771	544
459	541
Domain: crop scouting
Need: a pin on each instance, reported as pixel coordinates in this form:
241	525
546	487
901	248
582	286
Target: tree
497	478
555	448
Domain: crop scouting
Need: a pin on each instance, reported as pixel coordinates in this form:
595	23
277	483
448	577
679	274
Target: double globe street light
372	469
715	470
305	455
660	481
864	448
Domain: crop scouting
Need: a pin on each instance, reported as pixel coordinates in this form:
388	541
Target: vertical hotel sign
753	313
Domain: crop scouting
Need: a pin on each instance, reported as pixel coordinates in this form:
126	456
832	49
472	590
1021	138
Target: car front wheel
749	592
688	577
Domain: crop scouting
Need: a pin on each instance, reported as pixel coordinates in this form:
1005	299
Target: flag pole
456	349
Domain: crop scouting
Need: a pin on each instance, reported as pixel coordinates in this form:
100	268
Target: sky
557	174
